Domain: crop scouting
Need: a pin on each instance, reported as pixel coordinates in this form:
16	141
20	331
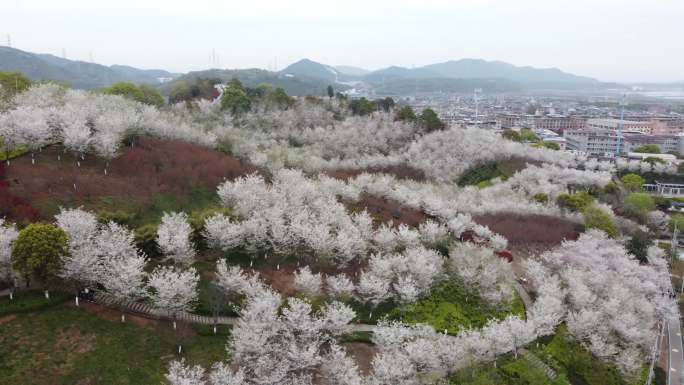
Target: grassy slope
66	345
450	307
573	364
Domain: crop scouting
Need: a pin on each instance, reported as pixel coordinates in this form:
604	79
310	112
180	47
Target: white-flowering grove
339	254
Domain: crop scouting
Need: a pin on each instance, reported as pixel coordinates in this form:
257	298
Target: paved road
676	359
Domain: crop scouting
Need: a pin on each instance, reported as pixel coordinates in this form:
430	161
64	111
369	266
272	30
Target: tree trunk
76	298
123	317
11	295
47	294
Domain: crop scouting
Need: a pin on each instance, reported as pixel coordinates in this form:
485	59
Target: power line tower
63	53
9	40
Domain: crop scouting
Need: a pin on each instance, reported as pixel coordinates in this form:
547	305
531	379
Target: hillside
293	85
352	71
311	69
78	74
477	68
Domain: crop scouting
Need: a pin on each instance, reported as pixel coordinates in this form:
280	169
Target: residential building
614	125
599	142
666	143
558	123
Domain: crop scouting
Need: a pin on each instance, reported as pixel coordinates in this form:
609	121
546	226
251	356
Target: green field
68	345
450	307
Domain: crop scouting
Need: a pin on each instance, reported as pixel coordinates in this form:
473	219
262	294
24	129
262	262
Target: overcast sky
612	40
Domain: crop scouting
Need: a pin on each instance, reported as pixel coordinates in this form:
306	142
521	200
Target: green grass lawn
29	301
19	151
67	345
574	365
570	358
509	371
450	307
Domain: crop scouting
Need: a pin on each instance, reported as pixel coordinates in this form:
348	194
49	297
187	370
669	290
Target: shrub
38	250
526	135
632	182
596	218
541	198
638	245
121	217
638	205
146	239
575	202
611	188
511	135
678	220
430	121
648	149
406	114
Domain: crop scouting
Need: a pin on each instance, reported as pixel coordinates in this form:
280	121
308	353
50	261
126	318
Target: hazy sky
612	40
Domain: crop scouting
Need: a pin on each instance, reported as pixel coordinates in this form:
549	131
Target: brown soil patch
7	318
385	210
529	235
530	229
136	177
363	353
281	280
515	164
400	171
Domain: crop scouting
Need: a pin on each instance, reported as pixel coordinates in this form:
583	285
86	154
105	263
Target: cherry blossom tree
8	233
10	134
33	127
82	264
339	368
339	286
482	271
122	273
174	238
613	302
307	282
181	374
262	334
173	290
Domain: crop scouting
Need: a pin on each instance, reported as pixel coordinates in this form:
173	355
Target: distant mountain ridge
450	73
78	74
308	77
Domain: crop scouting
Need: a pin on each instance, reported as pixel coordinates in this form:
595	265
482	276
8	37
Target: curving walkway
150	312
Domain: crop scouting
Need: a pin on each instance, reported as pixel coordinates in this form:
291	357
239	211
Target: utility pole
674	241
655	353
475	92
623	103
